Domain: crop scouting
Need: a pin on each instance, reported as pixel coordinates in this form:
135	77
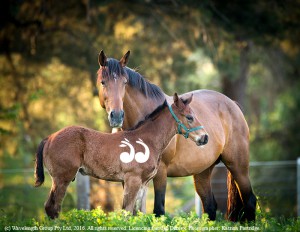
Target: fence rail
277	183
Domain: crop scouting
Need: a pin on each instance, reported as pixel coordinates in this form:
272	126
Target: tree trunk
235	88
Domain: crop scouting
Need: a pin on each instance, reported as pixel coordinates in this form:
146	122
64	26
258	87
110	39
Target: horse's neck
137	106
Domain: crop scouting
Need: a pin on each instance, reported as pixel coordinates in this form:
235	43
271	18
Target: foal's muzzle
116	118
202	140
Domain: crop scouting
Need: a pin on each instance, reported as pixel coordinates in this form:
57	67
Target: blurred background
248	50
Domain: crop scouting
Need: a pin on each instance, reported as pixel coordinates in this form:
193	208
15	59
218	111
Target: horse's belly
180	169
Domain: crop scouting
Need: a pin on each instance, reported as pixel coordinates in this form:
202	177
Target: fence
276	183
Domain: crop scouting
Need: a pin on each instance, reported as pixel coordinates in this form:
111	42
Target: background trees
48	60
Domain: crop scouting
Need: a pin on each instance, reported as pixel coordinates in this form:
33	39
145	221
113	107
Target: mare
100	154
128	97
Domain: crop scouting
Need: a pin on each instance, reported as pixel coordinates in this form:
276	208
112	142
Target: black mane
150	116
135	79
138	81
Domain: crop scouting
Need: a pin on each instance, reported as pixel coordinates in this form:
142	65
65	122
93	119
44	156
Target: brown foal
104	155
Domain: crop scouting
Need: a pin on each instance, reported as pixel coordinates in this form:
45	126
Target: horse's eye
102	82
190	118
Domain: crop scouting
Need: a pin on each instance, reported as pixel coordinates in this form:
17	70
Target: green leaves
97	220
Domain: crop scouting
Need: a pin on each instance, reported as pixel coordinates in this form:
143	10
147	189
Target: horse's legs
132	186
160	185
203	188
241	200
57	193
240	174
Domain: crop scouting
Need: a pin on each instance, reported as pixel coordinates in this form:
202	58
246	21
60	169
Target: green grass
97	220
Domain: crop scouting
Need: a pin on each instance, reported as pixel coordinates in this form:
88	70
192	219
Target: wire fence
274	183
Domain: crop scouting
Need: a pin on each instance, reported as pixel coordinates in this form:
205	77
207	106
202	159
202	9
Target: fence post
198	205
298	187
83	191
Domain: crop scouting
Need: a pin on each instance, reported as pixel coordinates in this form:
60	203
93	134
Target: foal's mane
150	116
135	80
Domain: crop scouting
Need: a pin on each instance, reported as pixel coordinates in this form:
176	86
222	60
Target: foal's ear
178	101
102	59
175	98
182	103
124	59
188	100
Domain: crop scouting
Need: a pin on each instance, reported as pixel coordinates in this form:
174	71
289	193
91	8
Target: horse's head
111	82
188	123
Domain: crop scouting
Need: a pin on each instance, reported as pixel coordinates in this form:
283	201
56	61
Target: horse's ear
188	100
102	59
124	59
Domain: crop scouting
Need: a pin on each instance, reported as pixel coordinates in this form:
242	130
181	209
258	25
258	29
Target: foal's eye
190	118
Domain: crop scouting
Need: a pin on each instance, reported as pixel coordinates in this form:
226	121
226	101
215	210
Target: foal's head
111	82
188	123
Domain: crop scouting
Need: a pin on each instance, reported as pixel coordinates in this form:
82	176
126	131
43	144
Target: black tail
39	166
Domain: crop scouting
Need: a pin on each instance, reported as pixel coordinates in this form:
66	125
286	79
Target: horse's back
220	105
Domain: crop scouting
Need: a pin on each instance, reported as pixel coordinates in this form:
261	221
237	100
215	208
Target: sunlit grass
95	220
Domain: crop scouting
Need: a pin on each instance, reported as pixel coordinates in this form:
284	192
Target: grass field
21	209
97	220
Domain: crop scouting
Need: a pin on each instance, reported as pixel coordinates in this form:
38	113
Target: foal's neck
161	129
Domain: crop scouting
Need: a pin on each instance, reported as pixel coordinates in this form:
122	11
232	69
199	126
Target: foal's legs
57	193
203	188
160	185
132	186
140	204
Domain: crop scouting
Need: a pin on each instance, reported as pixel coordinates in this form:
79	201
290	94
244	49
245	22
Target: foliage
49	59
96	220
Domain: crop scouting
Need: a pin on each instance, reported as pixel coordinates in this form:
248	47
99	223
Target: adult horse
128	98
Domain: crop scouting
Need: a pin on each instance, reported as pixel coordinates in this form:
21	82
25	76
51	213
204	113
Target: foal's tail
234	201
39	166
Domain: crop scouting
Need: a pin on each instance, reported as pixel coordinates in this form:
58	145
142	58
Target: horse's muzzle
116	118
202	140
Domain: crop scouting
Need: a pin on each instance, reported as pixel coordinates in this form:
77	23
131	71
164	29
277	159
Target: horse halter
181	125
